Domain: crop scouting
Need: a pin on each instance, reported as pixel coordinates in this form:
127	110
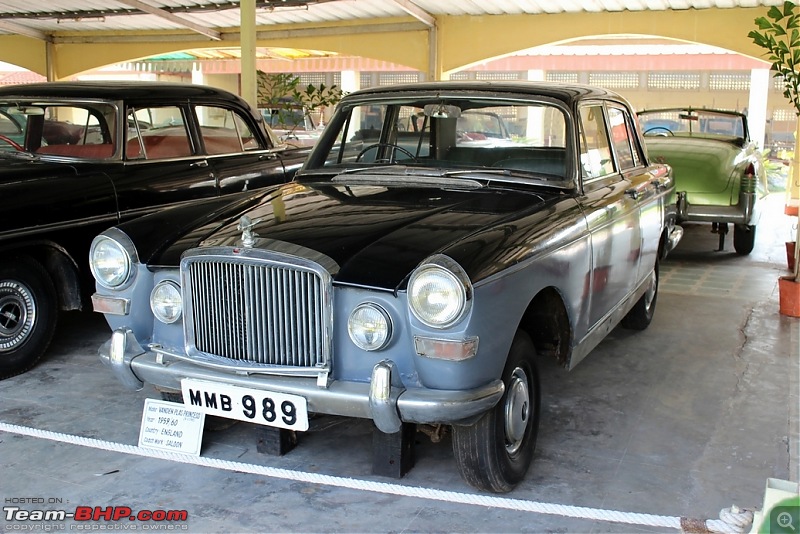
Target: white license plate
252	405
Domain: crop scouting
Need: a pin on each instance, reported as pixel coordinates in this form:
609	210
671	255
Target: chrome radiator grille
254	310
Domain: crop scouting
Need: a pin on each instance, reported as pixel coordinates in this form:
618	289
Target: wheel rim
517	410
650	295
17	314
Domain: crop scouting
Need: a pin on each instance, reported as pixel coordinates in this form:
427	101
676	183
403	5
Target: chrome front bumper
383	399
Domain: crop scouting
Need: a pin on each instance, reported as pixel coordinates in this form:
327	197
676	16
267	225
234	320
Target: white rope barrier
729	524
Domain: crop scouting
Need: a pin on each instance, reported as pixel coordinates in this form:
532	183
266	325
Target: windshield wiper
416	180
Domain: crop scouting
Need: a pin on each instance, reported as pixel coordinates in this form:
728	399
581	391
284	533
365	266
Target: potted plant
779	34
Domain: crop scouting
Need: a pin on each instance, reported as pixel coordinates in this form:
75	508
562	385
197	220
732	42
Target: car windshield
527	140
693	123
83	131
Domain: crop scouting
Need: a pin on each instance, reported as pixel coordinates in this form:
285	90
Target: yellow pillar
793	185
248	50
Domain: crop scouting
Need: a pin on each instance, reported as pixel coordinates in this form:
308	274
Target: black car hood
374	234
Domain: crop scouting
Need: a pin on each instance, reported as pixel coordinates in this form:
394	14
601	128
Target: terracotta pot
789	291
790	254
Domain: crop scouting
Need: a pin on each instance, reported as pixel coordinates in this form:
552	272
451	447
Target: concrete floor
681	420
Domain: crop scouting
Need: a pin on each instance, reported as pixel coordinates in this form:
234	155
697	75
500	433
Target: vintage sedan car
405	276
719	173
78	157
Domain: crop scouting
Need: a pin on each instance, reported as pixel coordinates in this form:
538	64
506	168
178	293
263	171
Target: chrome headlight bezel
454	287
159	289
382	320
117	242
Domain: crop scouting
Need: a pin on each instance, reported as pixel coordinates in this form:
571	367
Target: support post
275	441
393	454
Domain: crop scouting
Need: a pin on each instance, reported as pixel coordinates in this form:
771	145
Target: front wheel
642	312
28	315
744	238
494	454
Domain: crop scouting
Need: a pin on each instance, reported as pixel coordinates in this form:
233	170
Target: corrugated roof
50	16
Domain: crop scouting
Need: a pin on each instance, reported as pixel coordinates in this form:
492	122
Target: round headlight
166	302
109	262
436	296
369	327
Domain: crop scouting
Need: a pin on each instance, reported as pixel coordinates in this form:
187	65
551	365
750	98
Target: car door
612	216
163	164
644	186
239	157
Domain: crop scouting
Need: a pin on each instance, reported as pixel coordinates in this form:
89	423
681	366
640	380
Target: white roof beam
147	8
23	30
417	12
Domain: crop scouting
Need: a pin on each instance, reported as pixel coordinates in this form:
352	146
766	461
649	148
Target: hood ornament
246	225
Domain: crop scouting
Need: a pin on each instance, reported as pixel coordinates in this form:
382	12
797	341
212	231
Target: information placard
170	426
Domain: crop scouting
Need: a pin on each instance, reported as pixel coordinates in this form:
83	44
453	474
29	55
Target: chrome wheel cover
17	314
650	294
517	410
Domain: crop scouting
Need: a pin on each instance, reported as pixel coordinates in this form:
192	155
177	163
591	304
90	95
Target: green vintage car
719	173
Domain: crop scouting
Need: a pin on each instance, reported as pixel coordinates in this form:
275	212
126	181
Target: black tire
494	454
213	423
28	315
744	239
642	312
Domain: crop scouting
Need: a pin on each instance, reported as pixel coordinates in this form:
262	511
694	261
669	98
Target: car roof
567	93
115	90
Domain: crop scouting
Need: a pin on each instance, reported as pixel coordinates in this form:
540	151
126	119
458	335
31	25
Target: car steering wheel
11	142
390	159
661	128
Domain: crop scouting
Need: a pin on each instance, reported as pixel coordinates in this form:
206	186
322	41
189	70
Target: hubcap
650	295
17	314
517	410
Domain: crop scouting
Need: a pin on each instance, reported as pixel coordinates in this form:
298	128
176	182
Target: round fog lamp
166	302
369	327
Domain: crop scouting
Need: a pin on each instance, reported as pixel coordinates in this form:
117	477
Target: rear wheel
494	454
642	312
744	238
28	315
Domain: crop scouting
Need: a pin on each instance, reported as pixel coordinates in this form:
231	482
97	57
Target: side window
596	158
224	131
623	138
156	133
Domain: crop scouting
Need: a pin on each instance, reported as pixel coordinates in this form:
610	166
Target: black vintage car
76	158
410	274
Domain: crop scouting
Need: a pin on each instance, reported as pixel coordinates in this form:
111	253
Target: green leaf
763	23
775	13
778	30
788	8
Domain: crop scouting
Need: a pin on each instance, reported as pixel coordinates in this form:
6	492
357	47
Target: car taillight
748	180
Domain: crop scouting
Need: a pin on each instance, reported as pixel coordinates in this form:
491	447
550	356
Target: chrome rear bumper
741	213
